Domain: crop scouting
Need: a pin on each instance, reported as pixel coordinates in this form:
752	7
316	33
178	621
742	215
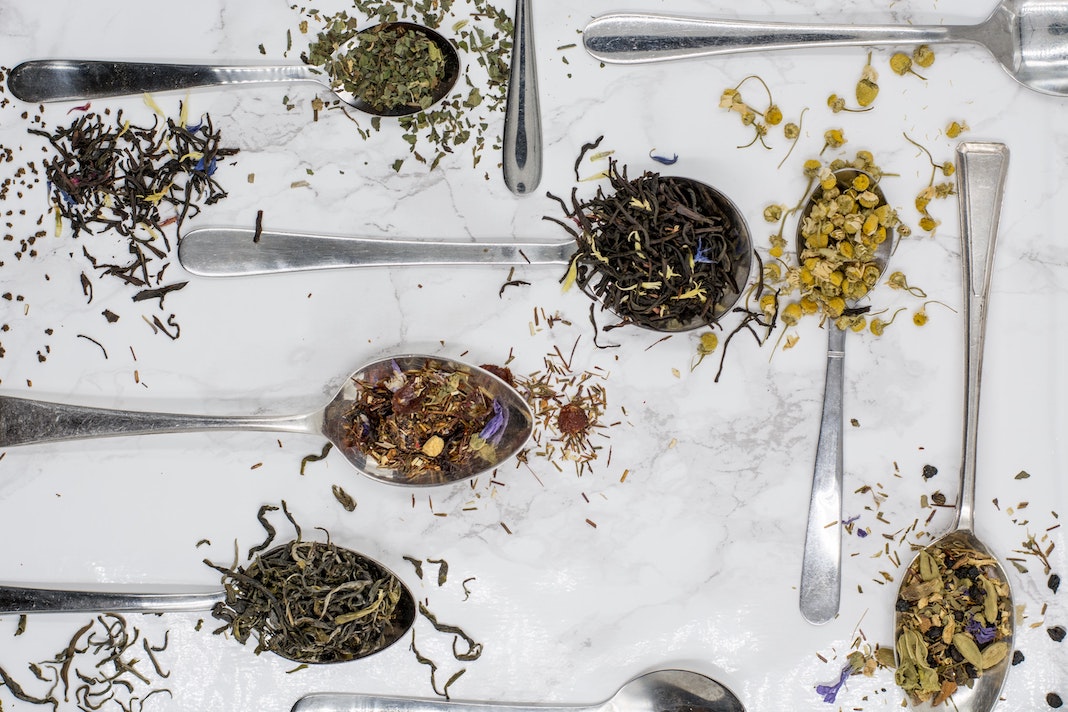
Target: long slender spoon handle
343	702
628	38
981	170
74	80
821	567
24	421
522	120
231	252
19	599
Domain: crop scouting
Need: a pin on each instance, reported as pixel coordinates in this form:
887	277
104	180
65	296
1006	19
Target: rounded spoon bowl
821	567
24	421
49	80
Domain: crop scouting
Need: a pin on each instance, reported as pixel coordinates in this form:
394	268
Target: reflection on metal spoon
24	422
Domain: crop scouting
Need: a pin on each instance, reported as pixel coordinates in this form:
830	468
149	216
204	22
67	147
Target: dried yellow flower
923	56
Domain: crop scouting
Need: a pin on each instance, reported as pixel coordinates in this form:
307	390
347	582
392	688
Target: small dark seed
1017	657
902	605
1054	582
929	471
1053	700
1057	633
933	633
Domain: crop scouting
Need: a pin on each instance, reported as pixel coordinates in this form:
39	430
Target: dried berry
1054	700
929	471
1017	657
1056	633
1054	582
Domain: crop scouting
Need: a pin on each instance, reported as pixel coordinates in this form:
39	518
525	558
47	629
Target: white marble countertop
681	546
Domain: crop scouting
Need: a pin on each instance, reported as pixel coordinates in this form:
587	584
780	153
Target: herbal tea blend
956	623
313	602
660	252
427	420
389	66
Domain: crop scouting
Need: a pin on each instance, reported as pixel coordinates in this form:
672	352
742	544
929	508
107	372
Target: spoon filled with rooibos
407	420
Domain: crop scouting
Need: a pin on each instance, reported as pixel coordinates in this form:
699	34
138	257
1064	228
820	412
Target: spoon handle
345	702
821	567
24	422
522	120
230	252
981	170
625	38
18	599
75	80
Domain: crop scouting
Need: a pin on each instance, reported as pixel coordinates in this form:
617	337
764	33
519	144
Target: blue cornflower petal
211	166
664	159
498	423
981	633
193	128
702	253
829	692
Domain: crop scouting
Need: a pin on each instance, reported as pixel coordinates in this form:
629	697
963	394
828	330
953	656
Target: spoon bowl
22	600
24	421
981	169
50	80
658	691
1025	36
821	567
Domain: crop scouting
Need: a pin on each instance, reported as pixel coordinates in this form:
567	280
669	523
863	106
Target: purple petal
498	423
829	692
664	159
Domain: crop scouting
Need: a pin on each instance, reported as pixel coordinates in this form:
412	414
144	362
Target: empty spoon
25	600
821	567
24	422
522	118
1026	36
981	169
659	691
231	252
77	80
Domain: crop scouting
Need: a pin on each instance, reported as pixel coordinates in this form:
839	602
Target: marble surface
681	545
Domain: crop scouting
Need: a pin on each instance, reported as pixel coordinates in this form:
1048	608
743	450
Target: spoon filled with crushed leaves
954	621
408	420
390	69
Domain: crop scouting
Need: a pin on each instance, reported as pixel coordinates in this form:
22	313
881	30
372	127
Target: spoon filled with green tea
1025	36
688	271
407	420
954	621
307	601
391	69
844	240
657	691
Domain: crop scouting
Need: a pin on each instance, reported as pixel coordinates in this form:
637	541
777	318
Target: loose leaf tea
955	622
427	422
660	252
389	66
313	602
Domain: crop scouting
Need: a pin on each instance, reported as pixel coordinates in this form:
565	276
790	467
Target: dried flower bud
923	56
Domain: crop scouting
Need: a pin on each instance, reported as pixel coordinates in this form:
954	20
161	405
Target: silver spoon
821	567
24	421
77	80
659	691
232	252
981	169
522	118
1025	36
25	600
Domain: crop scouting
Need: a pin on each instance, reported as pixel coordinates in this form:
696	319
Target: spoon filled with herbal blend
407	420
390	69
954	621
307	601
662	252
844	240
1025	36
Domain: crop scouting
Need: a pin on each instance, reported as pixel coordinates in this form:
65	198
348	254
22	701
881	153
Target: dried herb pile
108	664
659	252
427	422
480	31
956	623
312	602
387	66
